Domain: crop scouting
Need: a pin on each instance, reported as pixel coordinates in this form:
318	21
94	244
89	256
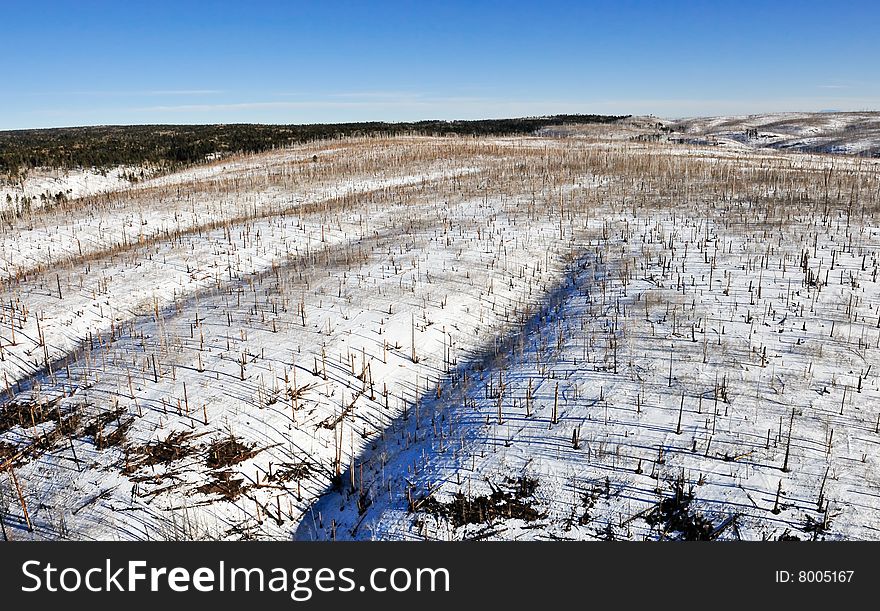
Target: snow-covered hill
449	338
855	133
44	185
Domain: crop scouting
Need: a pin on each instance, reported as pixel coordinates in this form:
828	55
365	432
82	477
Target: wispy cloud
116	93
150	92
358	100
332	102
384	95
246	106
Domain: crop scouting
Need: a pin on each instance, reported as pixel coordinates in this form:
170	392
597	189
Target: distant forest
172	146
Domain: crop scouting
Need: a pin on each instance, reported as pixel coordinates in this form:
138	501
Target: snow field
451	338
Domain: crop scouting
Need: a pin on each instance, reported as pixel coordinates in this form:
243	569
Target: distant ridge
179	145
851	133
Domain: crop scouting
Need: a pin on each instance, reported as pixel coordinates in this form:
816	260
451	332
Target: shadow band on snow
345	502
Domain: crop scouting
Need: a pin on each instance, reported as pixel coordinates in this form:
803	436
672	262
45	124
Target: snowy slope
449	338
45	184
855	133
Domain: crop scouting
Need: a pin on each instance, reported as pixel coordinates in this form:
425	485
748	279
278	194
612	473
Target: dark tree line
178	145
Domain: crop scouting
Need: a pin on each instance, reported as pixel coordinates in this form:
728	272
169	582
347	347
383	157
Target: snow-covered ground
855	133
622	388
449	338
47	185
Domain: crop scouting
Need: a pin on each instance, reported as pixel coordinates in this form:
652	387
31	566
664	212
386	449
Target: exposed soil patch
115	436
513	500
787	536
28	414
163	452
227	452
286	472
67	427
109	429
224	485
816	528
675	517
588	501
7	450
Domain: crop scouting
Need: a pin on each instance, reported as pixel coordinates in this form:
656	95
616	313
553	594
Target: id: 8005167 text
809	576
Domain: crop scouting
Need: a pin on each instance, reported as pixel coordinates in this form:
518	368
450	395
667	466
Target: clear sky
86	63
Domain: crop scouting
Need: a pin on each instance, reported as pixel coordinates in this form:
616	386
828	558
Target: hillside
855	133
449	338
174	146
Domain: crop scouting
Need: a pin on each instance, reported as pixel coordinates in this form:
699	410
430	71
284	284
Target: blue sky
87	63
